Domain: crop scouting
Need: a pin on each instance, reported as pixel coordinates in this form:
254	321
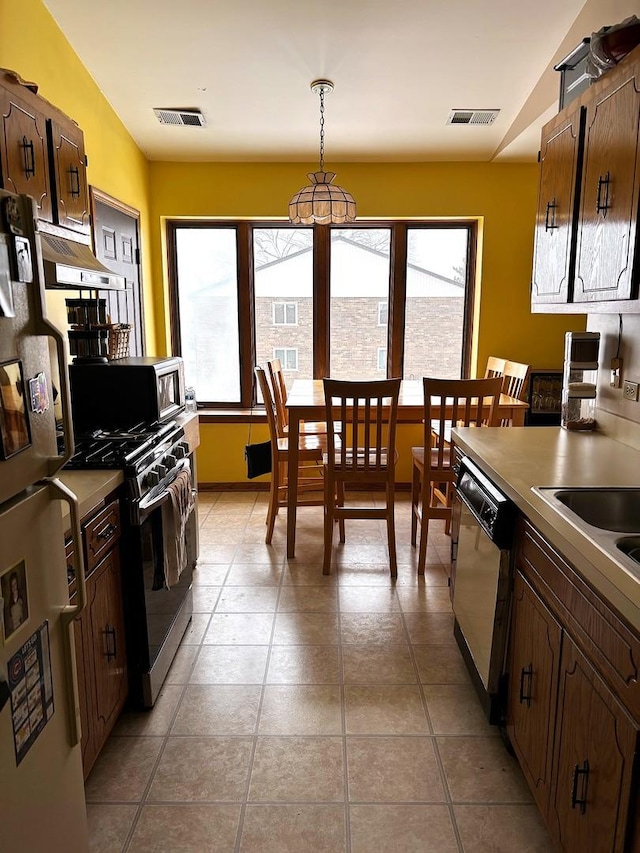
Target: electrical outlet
630	390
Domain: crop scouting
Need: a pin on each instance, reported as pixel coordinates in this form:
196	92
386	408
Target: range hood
73	265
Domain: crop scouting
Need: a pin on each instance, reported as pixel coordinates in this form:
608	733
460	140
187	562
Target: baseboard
264	487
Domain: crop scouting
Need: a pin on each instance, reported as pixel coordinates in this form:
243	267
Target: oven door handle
146	507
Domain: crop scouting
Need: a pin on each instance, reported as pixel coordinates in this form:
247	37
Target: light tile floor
312	713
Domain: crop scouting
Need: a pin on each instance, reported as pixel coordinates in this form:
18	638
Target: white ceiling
398	69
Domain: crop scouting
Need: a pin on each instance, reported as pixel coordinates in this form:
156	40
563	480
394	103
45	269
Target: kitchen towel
175	515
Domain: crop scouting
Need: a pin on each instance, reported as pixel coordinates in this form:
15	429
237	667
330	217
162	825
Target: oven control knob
152	478
170	460
161	471
181	449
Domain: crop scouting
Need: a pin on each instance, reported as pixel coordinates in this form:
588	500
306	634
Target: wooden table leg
517	417
292	481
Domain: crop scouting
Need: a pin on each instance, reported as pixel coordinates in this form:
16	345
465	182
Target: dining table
305	402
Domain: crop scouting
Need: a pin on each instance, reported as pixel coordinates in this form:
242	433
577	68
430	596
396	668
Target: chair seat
360	460
417	454
310	428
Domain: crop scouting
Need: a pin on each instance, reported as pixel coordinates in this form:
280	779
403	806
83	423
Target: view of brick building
283	310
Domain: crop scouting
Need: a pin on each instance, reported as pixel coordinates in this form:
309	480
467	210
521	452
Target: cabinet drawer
101	533
598	631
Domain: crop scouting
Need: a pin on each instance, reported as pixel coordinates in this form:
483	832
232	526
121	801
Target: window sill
232	416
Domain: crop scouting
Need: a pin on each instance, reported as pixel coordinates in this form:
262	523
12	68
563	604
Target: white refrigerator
42	806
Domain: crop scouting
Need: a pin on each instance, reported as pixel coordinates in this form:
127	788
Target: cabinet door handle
602	206
74	176
525	693
111	645
550	223
106	533
578	773
29	158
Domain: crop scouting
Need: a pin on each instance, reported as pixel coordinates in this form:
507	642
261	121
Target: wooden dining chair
515	379
447	403
279	390
310	470
361	432
495	367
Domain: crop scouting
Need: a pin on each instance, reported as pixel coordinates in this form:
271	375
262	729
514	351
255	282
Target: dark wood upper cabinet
587	239
556	218
24	159
69	167
42	155
607	253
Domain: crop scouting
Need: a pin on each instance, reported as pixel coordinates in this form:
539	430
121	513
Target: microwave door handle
71	611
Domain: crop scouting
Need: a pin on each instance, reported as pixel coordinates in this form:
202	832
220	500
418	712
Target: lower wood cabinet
99	636
533	678
573	713
593	760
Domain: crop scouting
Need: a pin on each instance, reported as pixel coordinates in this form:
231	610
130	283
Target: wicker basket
119	334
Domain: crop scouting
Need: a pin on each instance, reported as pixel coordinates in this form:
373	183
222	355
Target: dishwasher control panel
494	511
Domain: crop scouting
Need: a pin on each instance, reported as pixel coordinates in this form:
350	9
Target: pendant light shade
322	202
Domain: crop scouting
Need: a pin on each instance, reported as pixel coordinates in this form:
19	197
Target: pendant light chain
322	202
322	128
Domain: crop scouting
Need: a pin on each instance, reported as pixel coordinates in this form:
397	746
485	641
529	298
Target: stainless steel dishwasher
482	581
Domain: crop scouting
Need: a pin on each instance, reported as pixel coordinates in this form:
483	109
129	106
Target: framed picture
15	598
14	422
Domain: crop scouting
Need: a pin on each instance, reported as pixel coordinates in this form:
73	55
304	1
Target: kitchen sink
630	545
608	509
603	514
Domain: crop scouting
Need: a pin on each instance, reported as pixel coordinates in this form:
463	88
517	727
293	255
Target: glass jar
579	385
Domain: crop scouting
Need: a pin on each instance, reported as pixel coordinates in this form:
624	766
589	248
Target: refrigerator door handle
71	611
62	358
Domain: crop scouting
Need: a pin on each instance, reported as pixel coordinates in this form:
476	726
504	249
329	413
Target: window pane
436	283
208	300
359	282
283	277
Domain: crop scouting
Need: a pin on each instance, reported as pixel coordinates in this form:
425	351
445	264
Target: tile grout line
246	801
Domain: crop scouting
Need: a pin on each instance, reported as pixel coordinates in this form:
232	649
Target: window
435	302
208	311
360	259
285	314
356	302
288	357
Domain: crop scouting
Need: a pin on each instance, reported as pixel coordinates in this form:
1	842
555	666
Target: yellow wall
32	44
501	196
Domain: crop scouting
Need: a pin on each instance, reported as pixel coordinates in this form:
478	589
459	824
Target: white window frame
282	353
382	358
383	306
285	306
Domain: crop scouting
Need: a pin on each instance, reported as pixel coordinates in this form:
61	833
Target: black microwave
126	392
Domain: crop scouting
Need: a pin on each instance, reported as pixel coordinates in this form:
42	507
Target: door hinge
137	257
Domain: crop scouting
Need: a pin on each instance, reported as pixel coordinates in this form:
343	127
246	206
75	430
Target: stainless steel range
154	458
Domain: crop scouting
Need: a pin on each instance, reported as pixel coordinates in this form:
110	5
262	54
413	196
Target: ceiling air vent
180	118
472	116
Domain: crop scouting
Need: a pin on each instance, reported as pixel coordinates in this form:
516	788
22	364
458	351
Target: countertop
518	459
91	487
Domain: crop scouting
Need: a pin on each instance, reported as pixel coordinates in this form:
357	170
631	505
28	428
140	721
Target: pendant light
322	202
